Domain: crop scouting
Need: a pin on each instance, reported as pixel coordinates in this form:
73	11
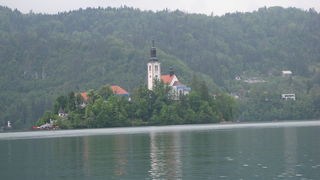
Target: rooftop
167	78
118	90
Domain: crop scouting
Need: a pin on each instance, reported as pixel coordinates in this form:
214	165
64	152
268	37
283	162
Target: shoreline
150	129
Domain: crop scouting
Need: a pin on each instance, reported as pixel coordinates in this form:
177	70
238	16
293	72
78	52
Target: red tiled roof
177	83
167	78
118	90
84	96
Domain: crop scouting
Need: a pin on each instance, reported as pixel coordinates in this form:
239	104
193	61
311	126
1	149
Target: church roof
167	78
119	91
84	96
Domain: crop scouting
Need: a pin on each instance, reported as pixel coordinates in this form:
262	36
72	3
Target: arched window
156	67
149	68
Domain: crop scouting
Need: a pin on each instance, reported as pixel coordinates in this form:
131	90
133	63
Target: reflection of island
113	155
165	156
120	155
86	164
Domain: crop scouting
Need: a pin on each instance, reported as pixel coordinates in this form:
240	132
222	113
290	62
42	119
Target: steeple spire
153	52
154	68
171	72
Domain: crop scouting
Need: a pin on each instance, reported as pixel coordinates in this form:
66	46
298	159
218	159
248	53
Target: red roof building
84	96
167	78
117	90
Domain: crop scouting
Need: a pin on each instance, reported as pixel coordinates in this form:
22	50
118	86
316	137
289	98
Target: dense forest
43	56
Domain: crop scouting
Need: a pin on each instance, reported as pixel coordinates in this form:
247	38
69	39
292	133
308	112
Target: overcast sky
218	7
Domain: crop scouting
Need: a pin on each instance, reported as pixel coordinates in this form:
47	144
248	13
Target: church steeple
153	52
171	72
153	68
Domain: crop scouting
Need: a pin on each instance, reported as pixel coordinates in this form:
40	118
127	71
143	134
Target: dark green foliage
146	108
263	101
48	115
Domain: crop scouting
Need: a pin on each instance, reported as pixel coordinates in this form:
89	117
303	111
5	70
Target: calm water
254	151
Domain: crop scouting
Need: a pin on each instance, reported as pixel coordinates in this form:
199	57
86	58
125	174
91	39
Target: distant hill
43	56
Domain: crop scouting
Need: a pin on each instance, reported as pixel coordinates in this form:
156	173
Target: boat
46	126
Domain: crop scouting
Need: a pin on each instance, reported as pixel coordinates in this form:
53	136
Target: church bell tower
154	70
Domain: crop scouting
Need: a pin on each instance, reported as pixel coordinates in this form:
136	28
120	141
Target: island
163	101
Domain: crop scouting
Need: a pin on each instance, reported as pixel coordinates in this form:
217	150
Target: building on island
177	87
154	73
62	114
117	90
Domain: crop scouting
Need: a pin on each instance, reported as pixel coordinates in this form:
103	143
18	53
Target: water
236	151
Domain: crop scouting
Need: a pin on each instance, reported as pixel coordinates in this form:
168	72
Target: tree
48	115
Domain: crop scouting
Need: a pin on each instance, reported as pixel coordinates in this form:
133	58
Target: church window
149	68
156	67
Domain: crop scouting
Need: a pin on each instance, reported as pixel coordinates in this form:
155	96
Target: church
154	73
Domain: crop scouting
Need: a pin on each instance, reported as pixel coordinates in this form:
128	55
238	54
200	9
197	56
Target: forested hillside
44	56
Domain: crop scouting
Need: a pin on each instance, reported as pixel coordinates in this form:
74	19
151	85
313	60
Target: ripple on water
229	159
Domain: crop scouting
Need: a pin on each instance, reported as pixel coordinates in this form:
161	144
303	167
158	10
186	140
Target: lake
282	150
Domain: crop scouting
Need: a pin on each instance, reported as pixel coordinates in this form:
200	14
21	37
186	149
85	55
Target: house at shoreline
154	73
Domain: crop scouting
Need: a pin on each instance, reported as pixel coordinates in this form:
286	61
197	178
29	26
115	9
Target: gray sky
218	7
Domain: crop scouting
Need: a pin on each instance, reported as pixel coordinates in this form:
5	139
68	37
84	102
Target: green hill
43	56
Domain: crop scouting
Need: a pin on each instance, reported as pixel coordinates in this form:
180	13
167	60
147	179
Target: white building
9	124
288	96
177	87
154	72
286	73
62	114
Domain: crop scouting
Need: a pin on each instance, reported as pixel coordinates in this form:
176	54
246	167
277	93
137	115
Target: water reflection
252	153
290	153
107	154
165	156
121	158
86	156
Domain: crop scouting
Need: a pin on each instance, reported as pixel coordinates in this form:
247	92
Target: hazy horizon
191	6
